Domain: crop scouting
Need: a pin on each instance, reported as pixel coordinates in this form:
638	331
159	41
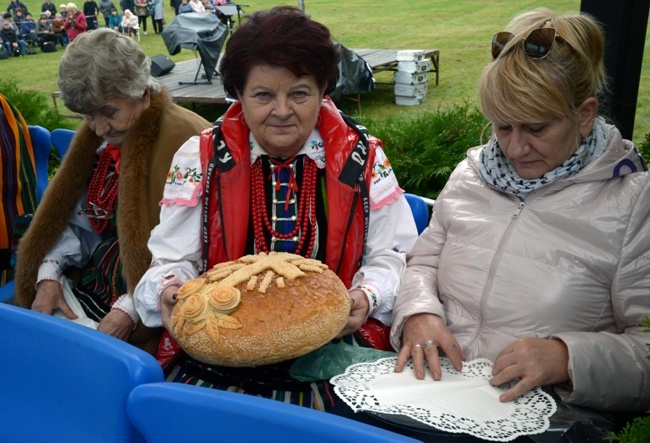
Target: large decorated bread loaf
260	309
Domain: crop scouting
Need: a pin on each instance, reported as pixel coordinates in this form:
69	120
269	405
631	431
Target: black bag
3	53
48	47
31	51
17	52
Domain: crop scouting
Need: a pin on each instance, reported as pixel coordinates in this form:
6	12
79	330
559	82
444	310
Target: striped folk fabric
17	180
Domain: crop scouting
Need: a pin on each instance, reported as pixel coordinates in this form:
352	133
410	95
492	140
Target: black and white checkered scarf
496	170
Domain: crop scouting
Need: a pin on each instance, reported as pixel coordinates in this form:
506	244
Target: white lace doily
462	402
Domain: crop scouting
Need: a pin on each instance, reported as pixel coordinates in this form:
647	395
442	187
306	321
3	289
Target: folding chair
136	29
62	382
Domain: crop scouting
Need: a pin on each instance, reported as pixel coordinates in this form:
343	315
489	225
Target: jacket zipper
495	261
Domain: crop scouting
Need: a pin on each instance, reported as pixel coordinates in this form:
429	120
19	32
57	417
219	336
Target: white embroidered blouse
176	242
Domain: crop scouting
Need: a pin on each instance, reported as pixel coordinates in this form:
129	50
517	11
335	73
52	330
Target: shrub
644	148
425	149
33	106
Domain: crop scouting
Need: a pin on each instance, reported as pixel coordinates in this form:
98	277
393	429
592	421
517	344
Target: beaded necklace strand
306	205
102	193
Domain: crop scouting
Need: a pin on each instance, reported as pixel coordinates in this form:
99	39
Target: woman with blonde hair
537	253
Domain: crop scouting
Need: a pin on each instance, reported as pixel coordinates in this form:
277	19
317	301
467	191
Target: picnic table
185	86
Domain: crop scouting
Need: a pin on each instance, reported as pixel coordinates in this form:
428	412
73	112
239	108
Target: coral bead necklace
102	190
305	214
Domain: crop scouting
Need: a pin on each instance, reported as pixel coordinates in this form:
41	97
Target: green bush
644	148
34	108
425	149
637	431
33	105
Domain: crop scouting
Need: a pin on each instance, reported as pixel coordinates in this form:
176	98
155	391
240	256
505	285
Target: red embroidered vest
228	207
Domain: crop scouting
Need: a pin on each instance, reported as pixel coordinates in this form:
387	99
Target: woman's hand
359	307
420	329
167	303
49	296
117	323
535	361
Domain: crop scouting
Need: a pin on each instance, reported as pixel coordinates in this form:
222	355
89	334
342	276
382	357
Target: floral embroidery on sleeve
183	186
384	188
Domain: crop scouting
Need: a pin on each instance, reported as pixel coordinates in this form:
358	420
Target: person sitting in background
115	20
537	253
280	65
197	6
75	24
129	24
185	7
14	45
63	10
44	31
58	27
19	17
208	6
28	30
95	218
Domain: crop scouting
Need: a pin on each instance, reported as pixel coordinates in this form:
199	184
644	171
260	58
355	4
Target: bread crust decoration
260	309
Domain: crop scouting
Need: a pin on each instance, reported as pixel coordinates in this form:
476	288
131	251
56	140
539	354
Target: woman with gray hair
86	248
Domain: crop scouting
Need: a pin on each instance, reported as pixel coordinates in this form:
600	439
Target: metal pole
301	4
625	27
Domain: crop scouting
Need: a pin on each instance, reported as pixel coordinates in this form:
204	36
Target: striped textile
17	180
273	381
102	281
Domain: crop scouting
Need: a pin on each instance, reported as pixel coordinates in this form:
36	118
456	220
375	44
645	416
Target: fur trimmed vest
146	155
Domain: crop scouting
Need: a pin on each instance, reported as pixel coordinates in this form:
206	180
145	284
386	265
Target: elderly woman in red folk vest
341	203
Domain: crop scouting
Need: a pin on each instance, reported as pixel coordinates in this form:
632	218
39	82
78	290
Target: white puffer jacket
571	262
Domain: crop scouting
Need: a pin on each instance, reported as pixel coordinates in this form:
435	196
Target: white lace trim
462	402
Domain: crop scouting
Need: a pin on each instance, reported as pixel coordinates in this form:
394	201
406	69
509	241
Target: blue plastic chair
174	412
7	292
41	141
420	211
62	382
61	139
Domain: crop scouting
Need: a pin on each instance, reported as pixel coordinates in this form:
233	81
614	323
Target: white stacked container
411	78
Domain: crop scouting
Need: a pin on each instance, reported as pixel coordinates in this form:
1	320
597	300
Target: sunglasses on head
537	44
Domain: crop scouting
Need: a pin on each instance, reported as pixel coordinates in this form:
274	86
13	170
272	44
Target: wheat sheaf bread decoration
260	309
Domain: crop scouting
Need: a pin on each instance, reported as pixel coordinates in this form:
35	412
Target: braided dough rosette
260	309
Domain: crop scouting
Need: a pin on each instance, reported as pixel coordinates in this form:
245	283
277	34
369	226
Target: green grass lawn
460	29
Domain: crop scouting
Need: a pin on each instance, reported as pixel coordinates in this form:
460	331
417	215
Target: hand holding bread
260	309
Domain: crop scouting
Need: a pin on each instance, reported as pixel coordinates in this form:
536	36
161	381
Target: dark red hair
283	37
